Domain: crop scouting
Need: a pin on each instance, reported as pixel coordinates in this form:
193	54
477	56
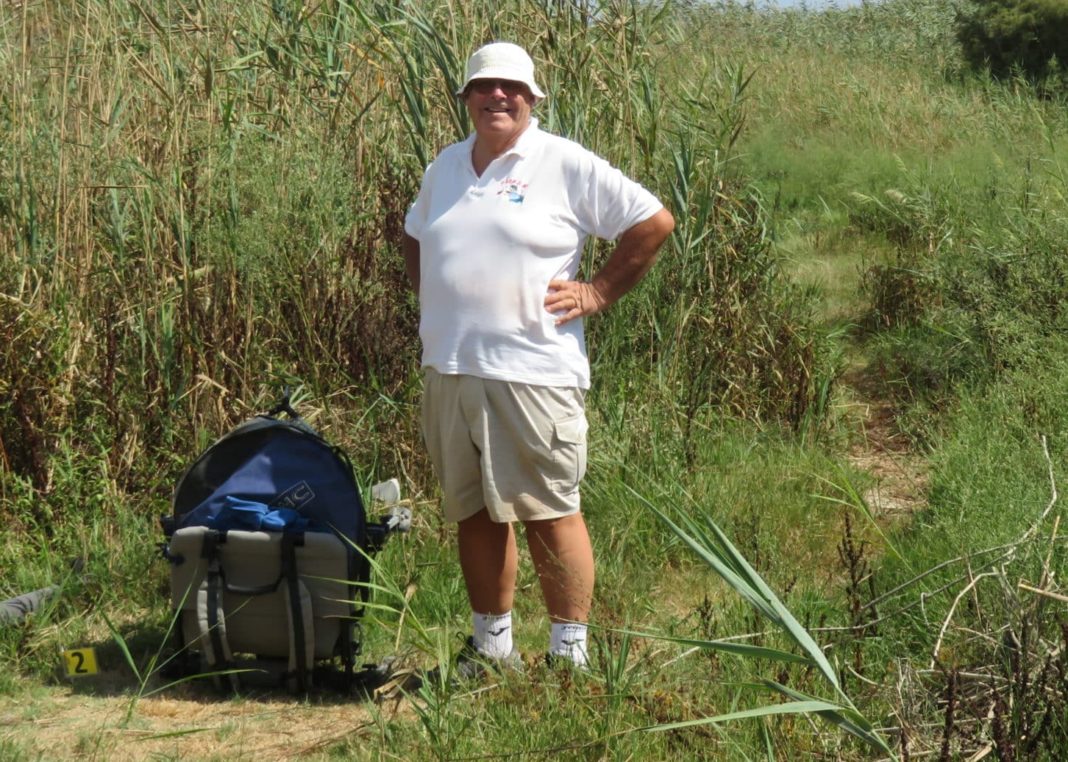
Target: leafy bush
1010	35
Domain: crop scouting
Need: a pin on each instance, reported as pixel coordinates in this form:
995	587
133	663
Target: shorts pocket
569	453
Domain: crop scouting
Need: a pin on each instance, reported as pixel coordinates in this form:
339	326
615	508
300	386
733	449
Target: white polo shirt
490	245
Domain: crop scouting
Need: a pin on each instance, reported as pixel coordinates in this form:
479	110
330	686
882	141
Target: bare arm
632	258
410	247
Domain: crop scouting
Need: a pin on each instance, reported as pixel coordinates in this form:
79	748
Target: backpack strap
211	619
299	613
284	406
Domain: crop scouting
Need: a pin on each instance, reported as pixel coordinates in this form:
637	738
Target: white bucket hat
501	60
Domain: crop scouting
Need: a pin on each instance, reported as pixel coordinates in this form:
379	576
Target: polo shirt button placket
478	190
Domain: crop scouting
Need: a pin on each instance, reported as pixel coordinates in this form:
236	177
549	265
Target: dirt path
77	722
884	452
61	725
99	717
832	262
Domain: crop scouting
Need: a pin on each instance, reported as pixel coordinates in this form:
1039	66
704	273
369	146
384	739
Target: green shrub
1011	35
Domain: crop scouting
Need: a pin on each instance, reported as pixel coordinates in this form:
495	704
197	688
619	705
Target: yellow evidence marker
80	661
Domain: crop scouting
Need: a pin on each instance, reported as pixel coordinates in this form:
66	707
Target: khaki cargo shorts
519	450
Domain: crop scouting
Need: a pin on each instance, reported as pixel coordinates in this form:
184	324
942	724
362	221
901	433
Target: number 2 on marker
80	661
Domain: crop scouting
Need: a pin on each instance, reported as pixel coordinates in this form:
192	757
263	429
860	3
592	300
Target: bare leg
563	559
489	561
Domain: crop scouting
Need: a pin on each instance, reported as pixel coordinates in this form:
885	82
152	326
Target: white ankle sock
493	634
569	639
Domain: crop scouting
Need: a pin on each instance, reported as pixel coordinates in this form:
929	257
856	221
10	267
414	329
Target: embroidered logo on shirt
512	189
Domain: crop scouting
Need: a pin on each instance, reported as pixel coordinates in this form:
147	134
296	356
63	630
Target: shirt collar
526	139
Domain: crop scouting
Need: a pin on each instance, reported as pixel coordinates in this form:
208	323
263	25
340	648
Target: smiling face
499	110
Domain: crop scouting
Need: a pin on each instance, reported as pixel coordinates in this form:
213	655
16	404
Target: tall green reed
227	190
698	530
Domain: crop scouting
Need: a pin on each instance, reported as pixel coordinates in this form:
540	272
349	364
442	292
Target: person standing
492	245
